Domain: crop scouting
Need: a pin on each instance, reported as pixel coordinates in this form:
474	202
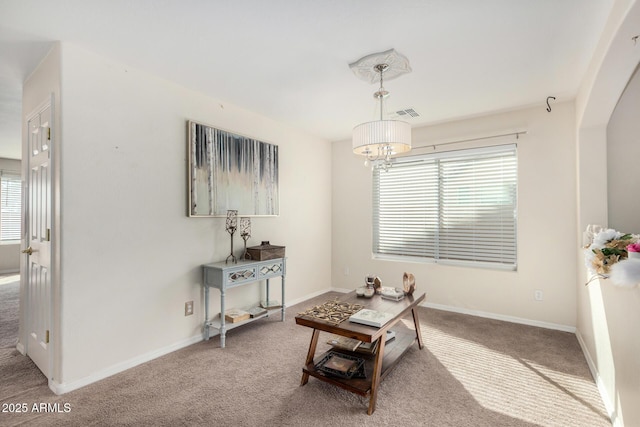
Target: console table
225	276
386	356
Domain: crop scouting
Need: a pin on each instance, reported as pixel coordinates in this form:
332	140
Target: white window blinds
454	207
10	206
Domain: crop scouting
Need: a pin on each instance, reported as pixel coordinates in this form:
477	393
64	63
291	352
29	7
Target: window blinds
455	207
10	206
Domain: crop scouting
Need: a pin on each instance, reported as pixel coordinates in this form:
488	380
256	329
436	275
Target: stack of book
270	304
344	343
371	317
357	346
235	315
257	311
392	293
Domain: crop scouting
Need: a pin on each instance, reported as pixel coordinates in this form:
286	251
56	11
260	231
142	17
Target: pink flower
635	247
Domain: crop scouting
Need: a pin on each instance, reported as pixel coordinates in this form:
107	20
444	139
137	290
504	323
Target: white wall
607	314
623	167
546	223
131	256
10	252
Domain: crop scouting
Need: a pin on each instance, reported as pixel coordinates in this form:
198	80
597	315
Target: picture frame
229	171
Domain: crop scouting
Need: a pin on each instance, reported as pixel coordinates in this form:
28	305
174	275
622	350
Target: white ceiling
288	59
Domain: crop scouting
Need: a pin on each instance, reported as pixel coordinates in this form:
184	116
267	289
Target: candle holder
245	233
231	227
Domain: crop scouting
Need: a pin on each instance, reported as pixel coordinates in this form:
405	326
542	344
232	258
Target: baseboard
9	271
512	319
61	388
65	387
609	404
21	349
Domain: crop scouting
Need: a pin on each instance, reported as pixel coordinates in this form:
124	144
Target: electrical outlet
188	308
537	295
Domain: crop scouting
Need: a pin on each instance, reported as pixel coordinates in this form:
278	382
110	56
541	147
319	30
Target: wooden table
378	365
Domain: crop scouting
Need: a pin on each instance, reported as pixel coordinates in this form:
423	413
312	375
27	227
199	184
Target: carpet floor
472	372
9	310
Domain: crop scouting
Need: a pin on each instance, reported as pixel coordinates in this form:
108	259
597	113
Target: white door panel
38	252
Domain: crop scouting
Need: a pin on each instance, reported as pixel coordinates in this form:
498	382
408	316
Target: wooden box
265	252
235	315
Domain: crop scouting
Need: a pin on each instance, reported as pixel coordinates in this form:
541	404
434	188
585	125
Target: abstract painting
231	172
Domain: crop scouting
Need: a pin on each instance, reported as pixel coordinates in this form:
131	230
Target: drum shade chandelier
380	139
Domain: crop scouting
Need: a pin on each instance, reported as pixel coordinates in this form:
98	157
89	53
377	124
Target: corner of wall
602	389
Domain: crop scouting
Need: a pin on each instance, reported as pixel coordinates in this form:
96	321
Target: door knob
28	251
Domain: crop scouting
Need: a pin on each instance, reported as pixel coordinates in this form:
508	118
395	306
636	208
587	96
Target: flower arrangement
608	247
608	256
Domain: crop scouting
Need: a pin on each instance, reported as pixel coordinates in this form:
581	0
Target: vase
633	255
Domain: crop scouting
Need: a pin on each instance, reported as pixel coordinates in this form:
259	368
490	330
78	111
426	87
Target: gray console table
225	276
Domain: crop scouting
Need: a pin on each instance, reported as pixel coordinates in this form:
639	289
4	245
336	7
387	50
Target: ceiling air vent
407	113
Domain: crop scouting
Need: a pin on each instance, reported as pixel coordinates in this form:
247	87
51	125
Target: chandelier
378	140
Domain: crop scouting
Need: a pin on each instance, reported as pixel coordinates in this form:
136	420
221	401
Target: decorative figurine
377	285
369	280
408	283
231	226
245	233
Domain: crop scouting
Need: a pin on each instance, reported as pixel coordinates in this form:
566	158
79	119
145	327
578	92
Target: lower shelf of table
215	325
393	352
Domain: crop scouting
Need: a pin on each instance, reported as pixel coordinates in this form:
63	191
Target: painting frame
230	171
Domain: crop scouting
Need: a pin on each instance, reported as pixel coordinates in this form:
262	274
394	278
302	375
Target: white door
38	252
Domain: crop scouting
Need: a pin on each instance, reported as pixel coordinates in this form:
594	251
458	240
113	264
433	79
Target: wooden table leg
310	354
377	371
416	323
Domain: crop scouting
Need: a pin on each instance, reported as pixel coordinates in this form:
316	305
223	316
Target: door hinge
48	234
49	134
46	338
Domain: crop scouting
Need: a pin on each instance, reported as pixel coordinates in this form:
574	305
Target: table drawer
270	269
241	276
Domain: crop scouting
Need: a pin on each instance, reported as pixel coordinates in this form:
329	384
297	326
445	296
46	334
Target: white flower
589	256
603	237
626	273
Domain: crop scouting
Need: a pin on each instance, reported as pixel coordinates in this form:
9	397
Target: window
456	207
10	206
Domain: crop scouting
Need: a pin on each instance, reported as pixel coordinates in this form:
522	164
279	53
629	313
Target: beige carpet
9	306
472	372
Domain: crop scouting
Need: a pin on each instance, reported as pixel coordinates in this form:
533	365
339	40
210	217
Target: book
371	347
344	343
371	317
392	294
367	347
257	311
235	315
270	304
390	335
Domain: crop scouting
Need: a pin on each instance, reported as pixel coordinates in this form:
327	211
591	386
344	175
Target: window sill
425	260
